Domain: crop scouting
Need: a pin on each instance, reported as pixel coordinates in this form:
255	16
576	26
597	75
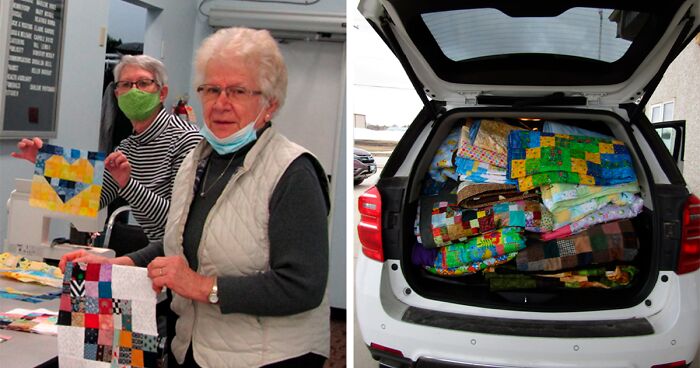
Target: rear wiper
554	99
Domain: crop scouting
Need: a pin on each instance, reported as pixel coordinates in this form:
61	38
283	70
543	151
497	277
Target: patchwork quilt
603	243
608	213
536	159
480	248
107	317
448	224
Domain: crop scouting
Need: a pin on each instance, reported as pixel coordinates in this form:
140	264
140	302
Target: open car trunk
474	289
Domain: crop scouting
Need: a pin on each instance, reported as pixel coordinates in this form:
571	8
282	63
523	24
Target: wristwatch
214	294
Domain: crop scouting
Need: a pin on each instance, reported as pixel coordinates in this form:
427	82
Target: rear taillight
689	257
369	229
386	349
680	363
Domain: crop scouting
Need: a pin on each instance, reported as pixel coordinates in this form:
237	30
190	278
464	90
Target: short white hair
256	48
144	62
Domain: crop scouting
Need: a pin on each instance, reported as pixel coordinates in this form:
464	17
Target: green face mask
138	105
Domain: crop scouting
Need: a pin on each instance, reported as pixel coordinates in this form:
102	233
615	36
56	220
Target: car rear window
590	33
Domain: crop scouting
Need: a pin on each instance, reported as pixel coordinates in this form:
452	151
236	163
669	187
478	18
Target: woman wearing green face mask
142	168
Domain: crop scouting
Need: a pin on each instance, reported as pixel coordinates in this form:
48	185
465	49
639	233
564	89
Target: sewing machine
28	228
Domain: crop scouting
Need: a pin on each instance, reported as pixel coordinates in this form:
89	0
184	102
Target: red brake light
680	363
689	257
386	349
369	229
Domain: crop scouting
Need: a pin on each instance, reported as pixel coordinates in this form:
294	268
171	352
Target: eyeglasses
210	92
142	84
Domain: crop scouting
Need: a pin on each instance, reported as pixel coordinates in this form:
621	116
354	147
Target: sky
122	18
381	89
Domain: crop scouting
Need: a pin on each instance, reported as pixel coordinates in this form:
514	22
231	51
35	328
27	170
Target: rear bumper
382	304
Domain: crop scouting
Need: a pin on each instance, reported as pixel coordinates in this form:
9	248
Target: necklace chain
206	190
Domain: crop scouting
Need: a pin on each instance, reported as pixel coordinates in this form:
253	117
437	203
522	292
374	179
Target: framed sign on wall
31	35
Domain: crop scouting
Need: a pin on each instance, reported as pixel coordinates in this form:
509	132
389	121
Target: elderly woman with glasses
142	169
246	242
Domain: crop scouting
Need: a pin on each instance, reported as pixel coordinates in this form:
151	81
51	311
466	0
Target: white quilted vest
235	242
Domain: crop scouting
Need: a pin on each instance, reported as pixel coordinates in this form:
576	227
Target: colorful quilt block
67	180
603	243
570	159
106	338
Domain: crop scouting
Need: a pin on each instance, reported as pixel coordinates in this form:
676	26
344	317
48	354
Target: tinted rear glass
597	34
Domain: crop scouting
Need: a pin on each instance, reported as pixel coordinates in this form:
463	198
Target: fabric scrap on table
608	213
10	293
480	248
536	159
107	316
23	269
40	321
612	241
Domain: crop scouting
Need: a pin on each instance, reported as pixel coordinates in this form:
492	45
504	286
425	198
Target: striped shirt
155	156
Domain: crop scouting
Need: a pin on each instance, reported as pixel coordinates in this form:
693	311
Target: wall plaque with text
33	42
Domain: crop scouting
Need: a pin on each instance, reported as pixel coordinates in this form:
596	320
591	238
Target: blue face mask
233	142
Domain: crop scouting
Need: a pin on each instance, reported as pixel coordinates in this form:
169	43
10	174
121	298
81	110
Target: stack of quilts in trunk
494	188
589	186
477	217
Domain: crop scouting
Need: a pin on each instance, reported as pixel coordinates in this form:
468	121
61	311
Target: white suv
590	64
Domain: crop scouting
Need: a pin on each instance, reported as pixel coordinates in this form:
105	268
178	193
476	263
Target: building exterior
678	98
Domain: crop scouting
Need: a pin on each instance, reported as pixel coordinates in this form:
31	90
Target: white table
27	349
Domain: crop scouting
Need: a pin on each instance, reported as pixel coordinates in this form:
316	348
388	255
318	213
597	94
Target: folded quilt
477	195
565	216
466	150
473	267
441	222
481	172
480	248
563	195
598	277
612	241
490	134
441	167
559	128
608	213
536	159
